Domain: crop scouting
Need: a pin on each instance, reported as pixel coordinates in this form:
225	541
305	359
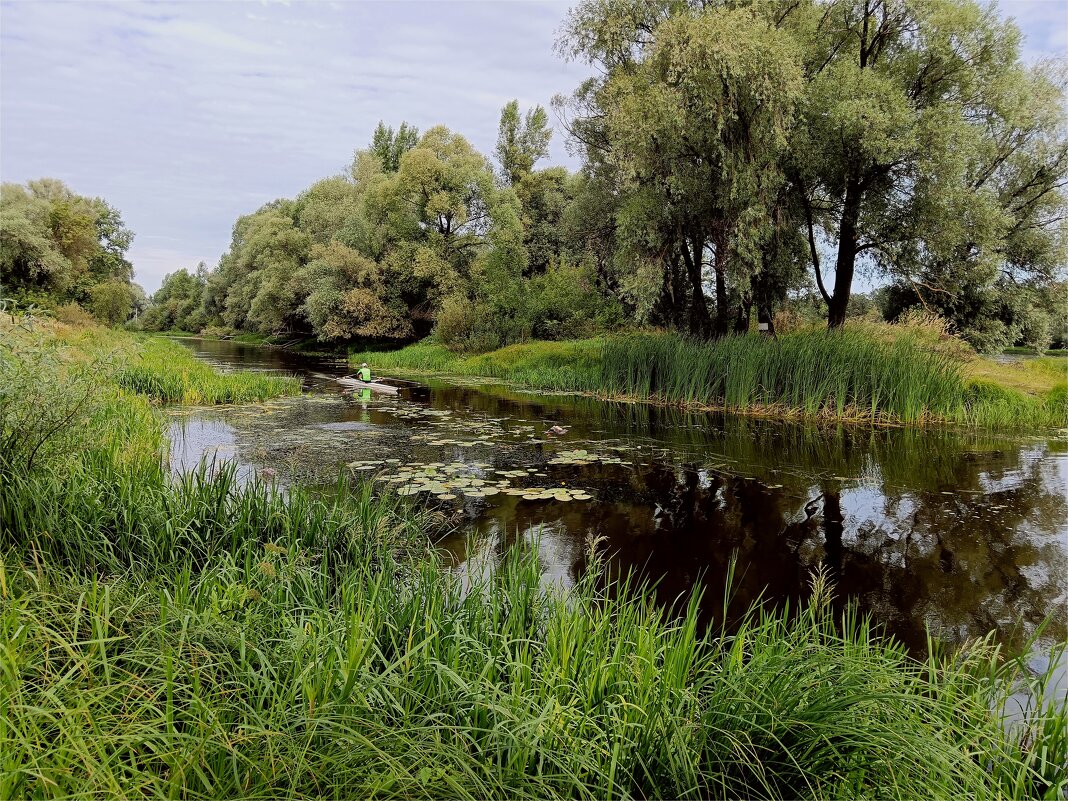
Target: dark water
957	532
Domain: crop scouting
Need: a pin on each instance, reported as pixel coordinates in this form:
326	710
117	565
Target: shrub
112	302
74	315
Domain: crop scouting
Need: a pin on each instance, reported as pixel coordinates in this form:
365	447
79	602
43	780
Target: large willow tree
690	122
925	145
910	136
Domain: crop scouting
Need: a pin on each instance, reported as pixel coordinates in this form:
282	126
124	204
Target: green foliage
388	145
563	302
111	302
545	197
990	318
522	141
178	304
58	247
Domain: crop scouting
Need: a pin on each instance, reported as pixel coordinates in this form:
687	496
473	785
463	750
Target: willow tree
689	121
436	226
449	225
256	286
914	150
57	246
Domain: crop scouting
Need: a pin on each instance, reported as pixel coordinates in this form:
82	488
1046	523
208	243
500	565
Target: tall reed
853	374
270	674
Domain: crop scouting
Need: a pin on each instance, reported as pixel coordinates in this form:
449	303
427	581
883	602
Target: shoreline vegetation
204	637
893	374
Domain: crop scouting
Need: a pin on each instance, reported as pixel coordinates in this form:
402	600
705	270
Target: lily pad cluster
471	480
372	464
583	457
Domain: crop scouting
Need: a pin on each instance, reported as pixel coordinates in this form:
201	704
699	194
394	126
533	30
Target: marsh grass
205	637
864	373
270	672
166	371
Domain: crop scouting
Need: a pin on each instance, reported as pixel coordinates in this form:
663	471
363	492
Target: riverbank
307	346
203	637
879	374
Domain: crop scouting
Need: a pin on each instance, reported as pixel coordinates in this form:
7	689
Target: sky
187	115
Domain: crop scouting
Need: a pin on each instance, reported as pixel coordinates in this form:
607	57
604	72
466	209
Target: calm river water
961	532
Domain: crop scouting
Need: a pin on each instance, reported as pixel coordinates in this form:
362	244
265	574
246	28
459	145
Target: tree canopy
59	247
735	158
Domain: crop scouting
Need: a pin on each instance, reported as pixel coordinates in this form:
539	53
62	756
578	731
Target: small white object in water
556	431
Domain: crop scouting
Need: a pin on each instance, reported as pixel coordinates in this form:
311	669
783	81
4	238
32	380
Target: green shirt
364	374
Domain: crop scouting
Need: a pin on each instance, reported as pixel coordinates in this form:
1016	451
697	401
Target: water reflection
962	532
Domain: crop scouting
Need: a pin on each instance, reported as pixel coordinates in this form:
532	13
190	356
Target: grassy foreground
205	638
868	373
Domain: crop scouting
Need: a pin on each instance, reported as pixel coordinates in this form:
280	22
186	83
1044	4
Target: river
959	532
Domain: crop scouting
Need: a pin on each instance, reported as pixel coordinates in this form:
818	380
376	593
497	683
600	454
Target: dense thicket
420	231
58	247
734	158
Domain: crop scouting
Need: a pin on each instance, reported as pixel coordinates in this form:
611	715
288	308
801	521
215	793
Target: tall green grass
854	374
270	672
168	372
203	637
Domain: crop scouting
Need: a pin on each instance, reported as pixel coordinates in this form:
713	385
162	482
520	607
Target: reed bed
844	375
860	374
204	638
167	372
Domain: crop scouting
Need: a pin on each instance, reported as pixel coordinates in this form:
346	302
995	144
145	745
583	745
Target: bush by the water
204	637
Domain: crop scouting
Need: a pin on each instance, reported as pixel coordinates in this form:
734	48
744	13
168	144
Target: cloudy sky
187	115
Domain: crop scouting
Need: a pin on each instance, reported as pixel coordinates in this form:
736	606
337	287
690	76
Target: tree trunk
722	324
745	311
699	320
678	293
847	255
765	318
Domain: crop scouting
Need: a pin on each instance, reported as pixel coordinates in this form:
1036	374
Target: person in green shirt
364	373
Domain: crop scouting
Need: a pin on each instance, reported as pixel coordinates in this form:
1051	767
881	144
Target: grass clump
878	374
202	637
167	372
